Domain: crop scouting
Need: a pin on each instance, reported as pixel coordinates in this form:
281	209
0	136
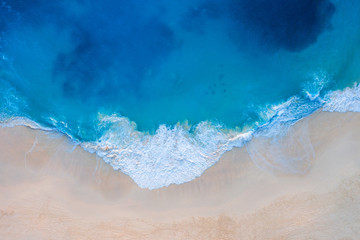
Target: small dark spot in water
213	92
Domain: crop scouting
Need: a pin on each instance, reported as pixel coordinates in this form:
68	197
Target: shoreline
49	188
146	162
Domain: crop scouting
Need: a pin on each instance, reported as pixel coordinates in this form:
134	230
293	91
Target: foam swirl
180	153
175	154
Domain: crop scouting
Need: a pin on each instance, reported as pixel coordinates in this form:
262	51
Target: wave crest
347	100
180	153
174	154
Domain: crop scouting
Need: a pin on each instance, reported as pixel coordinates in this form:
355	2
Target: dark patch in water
112	50
114	42
292	25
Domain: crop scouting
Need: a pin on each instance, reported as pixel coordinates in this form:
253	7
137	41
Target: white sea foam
180	153
347	100
317	82
172	155
22	121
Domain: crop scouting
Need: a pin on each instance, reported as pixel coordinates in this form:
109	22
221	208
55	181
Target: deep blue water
67	64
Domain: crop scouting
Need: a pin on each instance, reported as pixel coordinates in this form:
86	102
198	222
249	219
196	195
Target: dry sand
50	189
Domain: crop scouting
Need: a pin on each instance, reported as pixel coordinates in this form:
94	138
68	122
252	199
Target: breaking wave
180	153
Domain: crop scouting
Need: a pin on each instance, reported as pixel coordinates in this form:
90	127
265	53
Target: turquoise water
156	85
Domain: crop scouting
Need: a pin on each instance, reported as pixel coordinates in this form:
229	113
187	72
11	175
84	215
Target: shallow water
161	90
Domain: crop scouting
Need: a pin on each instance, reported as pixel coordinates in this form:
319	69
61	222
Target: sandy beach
51	189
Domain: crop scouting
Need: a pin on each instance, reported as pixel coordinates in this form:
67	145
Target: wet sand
51	189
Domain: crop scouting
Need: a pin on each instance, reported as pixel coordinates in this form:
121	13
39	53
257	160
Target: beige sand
51	190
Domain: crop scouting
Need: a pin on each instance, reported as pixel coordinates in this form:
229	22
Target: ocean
161	90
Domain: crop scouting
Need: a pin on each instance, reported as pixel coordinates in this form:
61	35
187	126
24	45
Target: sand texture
305	185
